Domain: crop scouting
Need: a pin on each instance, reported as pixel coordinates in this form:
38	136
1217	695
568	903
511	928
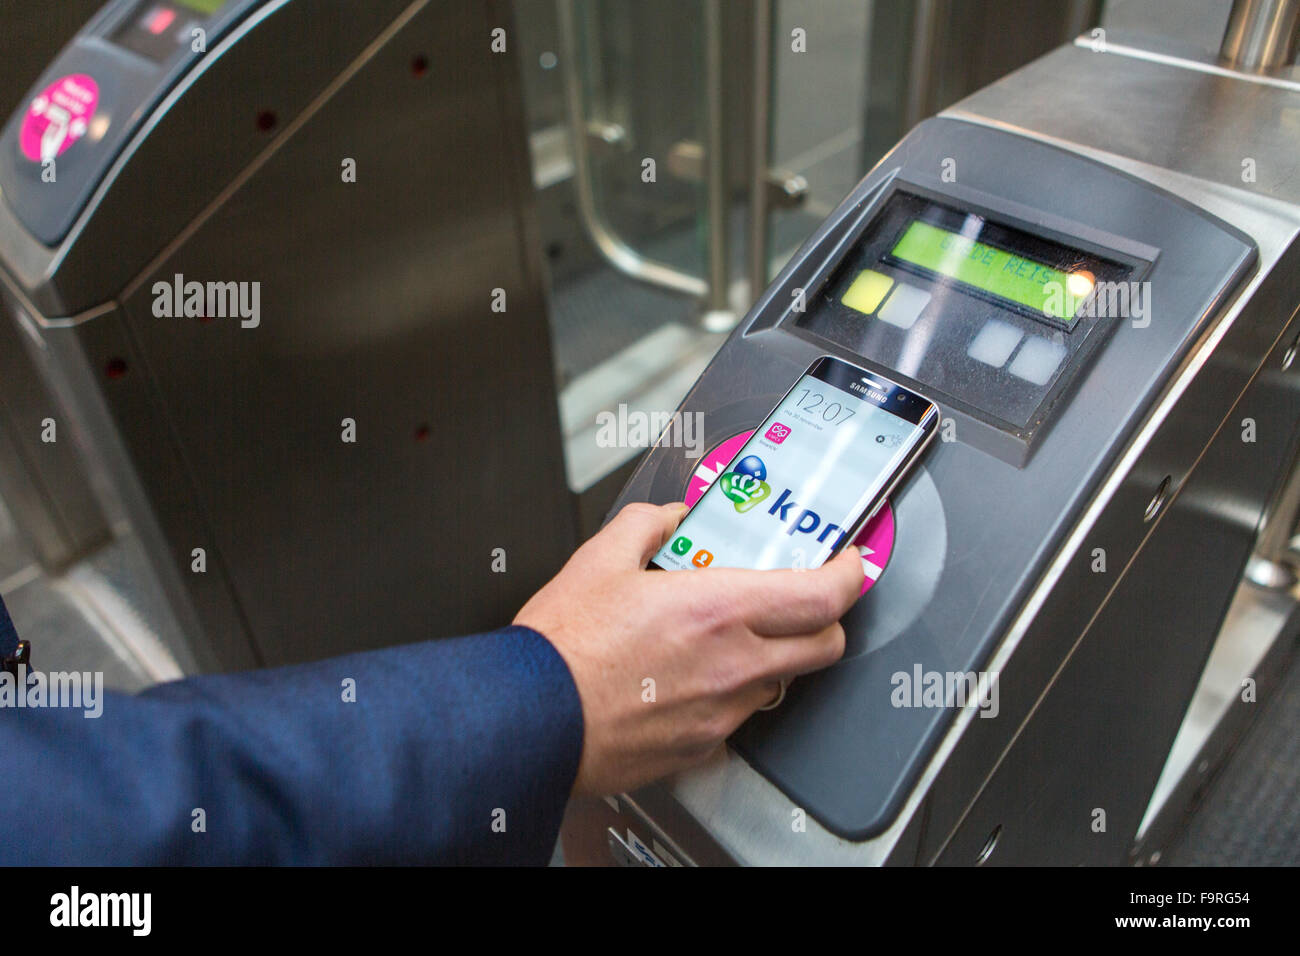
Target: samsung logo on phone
871	389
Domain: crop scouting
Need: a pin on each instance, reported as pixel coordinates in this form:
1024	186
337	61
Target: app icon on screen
745	486
777	433
681	545
702	558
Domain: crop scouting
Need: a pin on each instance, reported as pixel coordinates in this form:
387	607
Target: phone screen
806	476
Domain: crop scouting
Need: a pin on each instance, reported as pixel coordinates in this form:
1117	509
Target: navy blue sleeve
454	751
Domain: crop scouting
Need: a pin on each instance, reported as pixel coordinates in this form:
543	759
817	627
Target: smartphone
808	479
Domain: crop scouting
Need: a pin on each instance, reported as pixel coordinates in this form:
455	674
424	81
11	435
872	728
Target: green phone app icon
681	546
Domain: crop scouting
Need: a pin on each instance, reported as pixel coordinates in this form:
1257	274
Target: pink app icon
777	433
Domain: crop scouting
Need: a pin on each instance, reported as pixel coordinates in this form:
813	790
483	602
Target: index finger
783	603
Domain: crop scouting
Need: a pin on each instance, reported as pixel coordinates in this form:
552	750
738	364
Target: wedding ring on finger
780	696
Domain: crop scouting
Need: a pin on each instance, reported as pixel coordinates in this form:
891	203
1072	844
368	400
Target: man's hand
716	642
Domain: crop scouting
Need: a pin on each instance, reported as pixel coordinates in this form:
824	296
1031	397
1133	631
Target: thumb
636	533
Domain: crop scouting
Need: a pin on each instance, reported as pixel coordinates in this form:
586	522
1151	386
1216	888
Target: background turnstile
521	170
395	399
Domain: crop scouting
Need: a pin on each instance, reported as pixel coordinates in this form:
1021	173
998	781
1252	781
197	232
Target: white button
994	343
904	305
1038	360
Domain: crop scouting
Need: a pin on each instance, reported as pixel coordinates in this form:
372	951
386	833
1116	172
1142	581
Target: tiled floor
100	615
1251	815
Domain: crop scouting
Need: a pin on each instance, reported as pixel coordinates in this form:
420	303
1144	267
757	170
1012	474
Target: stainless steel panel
376	305
1097	740
1200	123
44	483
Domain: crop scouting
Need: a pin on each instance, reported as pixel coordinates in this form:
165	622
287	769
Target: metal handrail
609	244
760	149
718	316
1274	562
1261	34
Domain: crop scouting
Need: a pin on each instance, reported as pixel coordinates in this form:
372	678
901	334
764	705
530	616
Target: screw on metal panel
1158	499
1288	359
989	845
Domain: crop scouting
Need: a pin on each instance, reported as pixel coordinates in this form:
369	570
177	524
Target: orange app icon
702	558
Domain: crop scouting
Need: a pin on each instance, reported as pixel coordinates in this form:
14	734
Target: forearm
452	751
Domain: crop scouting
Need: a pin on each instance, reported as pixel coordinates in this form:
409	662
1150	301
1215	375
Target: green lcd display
1033	285
203	6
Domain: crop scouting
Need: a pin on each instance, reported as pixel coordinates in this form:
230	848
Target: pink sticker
58	117
875	543
778	433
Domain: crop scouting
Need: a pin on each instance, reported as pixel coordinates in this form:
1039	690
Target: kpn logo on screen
746	485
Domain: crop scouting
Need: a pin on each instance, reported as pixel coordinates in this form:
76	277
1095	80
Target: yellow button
867	291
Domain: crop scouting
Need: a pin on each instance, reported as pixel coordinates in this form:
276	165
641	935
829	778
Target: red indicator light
159	19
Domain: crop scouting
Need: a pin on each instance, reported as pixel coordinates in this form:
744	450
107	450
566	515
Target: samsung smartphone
817	469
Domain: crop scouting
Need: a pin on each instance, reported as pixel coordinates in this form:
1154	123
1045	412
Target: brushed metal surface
1261	34
1150	121
1184	120
44	483
376	302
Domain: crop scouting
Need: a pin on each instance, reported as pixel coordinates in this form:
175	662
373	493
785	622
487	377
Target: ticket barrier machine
264	275
1045	590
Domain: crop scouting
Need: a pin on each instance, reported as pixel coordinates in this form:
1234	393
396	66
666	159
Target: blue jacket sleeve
455	751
